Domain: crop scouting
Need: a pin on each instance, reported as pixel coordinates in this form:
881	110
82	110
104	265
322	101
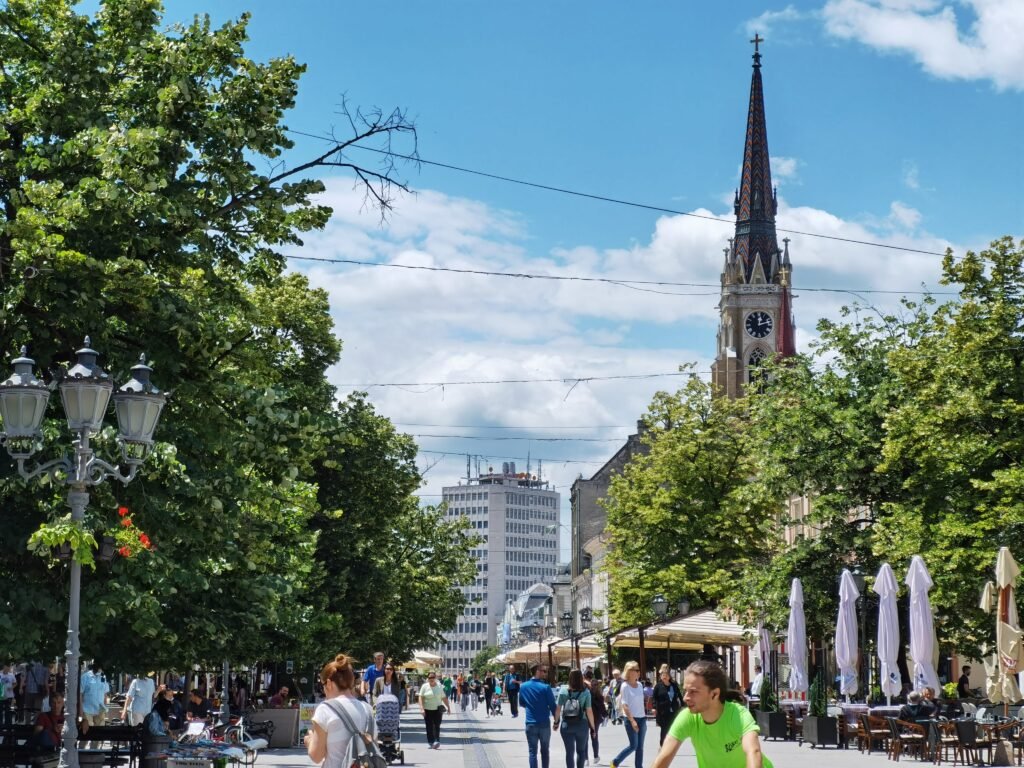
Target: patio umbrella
888	632
1003	686
796	639
846	634
922	628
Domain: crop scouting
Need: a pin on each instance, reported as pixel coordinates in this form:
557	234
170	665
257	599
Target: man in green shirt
722	730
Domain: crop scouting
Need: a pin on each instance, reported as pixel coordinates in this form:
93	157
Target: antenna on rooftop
469	467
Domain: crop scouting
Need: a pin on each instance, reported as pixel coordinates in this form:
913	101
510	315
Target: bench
14	753
125	743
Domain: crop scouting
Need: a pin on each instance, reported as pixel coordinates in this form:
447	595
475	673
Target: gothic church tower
755	313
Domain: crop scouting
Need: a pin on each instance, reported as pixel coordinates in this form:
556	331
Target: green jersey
718	744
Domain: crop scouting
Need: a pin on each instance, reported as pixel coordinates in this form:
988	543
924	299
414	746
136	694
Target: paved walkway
471	740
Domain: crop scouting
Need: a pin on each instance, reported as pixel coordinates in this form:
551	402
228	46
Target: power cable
603	198
563	380
529	437
624	283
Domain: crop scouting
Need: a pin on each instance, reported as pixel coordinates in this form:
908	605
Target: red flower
122	511
126	522
144	541
124	552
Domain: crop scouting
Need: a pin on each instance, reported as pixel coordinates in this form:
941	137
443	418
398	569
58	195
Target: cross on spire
757	53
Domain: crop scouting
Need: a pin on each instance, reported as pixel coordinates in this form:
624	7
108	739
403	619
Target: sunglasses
389	668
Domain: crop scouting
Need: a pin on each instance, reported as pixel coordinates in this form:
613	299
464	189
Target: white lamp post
85	390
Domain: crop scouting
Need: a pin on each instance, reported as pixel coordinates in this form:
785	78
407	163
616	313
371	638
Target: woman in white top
631	705
330	740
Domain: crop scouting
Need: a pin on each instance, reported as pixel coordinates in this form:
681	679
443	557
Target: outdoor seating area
992	739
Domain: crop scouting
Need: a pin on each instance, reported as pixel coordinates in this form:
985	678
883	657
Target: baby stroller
389	728
496	702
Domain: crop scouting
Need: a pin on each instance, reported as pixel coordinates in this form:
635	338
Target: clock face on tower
758	324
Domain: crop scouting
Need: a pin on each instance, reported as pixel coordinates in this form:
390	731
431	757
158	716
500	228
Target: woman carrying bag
668	700
329	741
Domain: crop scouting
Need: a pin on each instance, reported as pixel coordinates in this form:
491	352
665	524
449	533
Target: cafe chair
971	744
905	738
876	732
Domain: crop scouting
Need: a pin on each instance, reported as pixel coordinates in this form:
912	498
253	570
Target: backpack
572	710
369	756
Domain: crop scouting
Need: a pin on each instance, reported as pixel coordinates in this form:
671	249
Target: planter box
821	731
772	724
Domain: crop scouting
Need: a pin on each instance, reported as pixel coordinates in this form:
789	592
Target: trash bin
153	749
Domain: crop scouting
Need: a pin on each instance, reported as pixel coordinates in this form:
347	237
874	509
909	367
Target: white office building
517	516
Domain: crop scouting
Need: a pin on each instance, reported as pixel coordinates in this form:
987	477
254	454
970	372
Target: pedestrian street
472	740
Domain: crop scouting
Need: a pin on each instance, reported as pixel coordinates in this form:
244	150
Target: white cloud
410	327
784	169
988	48
766	23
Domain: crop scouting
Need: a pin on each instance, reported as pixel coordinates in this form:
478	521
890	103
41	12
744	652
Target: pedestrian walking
631	707
716	721
599	710
511	686
490	684
574	719
138	701
477	688
667	701
389	683
433	703
337	718
464	689
612	696
539	703
8	684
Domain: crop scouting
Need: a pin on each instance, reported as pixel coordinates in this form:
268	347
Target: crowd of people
706	709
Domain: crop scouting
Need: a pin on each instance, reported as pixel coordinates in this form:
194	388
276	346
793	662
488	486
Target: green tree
959	441
391	569
682	519
818	430
145	202
484	661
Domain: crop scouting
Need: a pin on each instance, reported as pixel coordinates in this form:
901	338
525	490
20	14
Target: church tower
755	313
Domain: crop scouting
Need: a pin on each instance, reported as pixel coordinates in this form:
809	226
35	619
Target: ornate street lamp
683	607
566	619
660	605
85	391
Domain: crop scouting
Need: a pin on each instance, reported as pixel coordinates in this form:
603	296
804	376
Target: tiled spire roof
755	203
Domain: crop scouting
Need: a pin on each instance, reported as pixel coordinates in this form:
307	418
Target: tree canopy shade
145	201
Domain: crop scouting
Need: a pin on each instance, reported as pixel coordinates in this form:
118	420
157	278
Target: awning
689	632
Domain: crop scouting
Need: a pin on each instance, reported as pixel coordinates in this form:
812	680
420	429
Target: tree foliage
682	520
903	433
145	201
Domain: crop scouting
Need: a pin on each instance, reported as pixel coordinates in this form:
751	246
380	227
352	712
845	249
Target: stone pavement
471	740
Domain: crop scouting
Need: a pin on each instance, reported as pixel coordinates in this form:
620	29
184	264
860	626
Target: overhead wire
604	198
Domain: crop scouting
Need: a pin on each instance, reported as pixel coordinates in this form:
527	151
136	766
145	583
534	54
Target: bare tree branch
371	127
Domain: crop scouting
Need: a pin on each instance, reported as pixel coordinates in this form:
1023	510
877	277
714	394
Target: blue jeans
539	732
636	743
574	736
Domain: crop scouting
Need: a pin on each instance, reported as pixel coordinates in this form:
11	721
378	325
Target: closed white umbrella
922	628
888	632
796	639
1009	644
846	635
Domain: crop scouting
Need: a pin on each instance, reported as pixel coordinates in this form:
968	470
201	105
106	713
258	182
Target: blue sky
895	121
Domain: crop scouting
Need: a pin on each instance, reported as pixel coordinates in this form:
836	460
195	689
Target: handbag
369	756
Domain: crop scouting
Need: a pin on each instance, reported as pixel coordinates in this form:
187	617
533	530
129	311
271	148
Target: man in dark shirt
198	707
915	709
279	699
963	685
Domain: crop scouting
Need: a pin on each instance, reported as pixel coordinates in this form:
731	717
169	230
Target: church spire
755	205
